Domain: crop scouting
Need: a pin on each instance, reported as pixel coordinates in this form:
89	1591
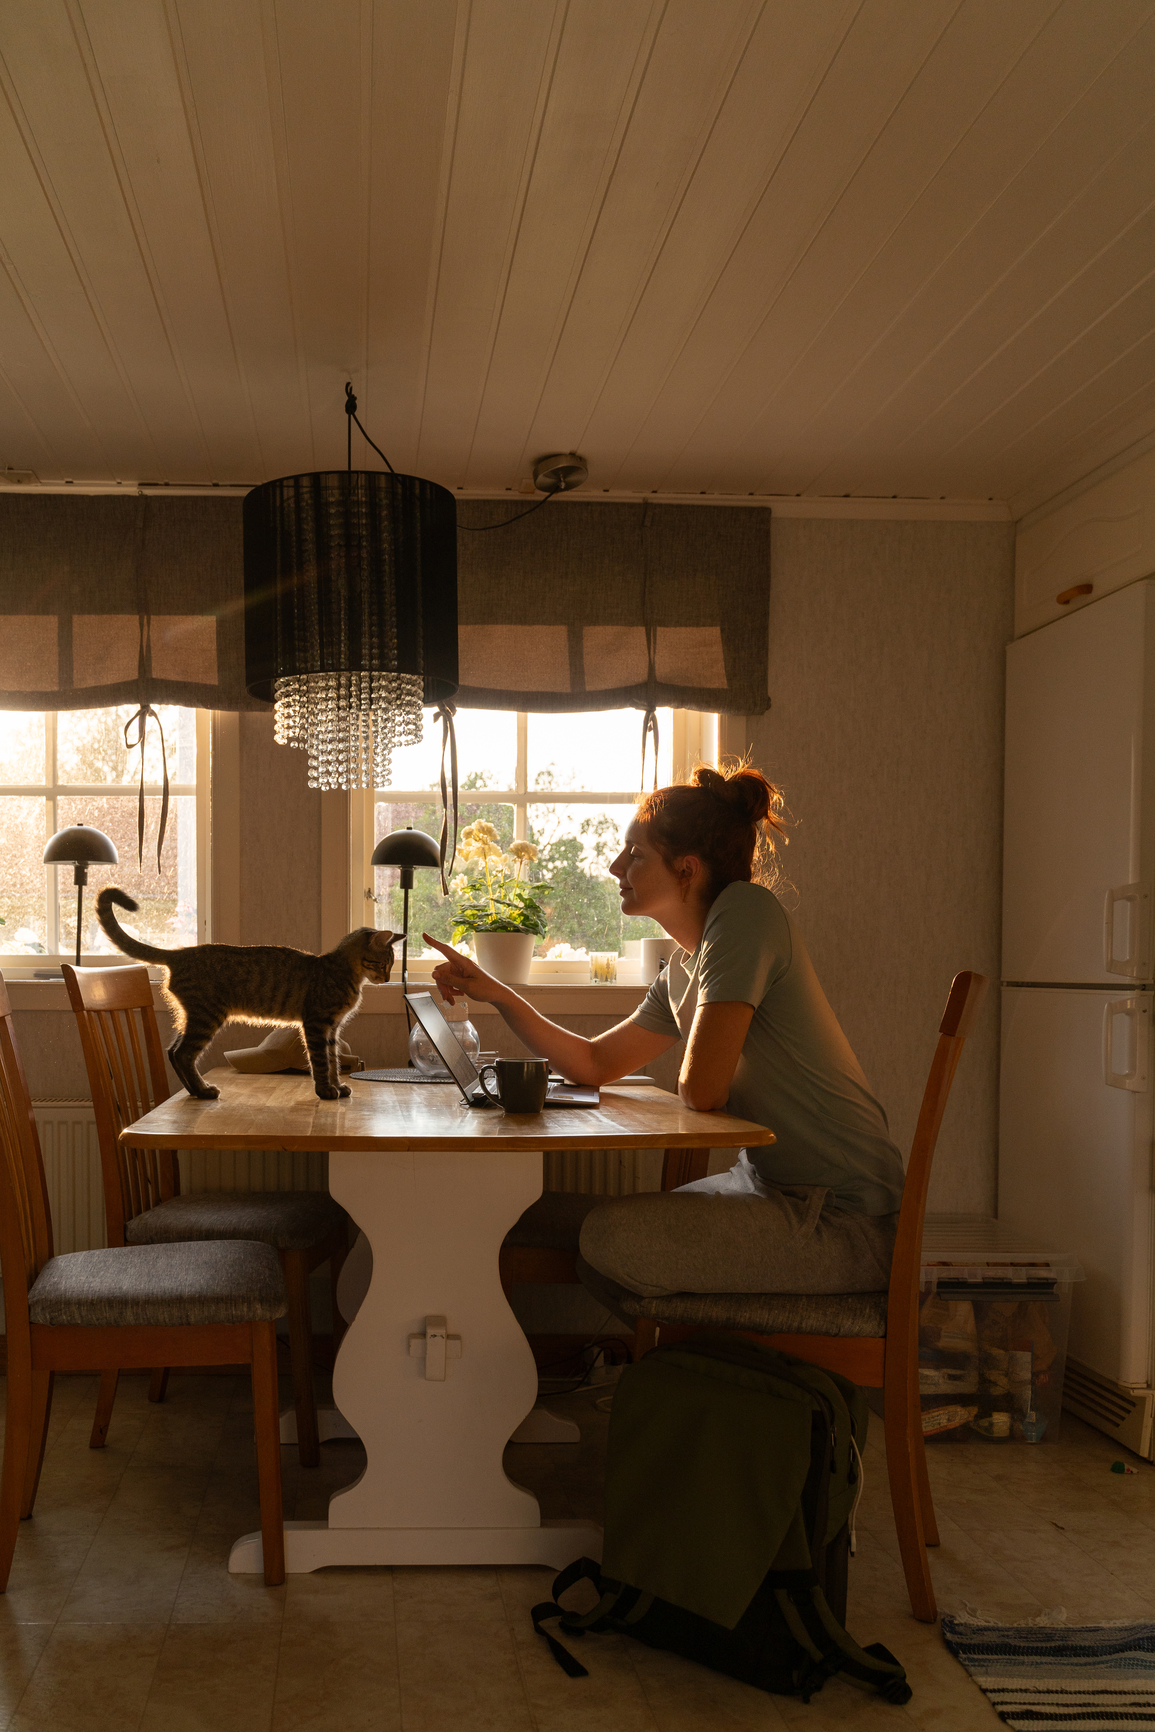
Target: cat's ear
380	952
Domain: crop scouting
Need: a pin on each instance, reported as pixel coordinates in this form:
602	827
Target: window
72	767
567	783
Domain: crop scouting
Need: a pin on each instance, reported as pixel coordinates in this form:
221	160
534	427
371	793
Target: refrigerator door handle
1137	1013
1132	957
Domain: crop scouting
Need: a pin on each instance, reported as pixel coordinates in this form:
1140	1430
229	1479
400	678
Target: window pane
598	750
23	880
21	746
429	911
486	752
577	844
90	745
168	900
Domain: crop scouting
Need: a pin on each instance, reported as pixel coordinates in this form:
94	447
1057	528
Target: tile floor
120	1614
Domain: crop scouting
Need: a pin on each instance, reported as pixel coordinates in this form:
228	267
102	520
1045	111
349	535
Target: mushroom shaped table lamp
81	846
406	849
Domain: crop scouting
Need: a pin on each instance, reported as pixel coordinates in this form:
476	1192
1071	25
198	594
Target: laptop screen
428	1014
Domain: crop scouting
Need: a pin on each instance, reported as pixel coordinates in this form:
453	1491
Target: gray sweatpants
733	1233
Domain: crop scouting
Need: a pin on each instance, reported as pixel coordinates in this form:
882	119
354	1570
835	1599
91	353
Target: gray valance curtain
579	607
119	601
598	607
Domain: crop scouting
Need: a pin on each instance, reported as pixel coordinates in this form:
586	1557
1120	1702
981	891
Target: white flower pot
505	955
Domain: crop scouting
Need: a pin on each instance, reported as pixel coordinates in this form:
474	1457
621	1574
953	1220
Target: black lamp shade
83	843
407	848
351	572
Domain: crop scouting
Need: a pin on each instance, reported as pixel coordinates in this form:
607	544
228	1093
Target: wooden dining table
434	1373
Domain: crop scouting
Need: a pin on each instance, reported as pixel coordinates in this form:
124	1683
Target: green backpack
731	1483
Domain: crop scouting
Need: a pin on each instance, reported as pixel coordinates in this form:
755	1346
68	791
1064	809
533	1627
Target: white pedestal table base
433	1490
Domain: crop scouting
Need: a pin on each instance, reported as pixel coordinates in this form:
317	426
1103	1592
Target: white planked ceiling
731	247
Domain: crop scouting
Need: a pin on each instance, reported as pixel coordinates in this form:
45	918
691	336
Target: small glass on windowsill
603	967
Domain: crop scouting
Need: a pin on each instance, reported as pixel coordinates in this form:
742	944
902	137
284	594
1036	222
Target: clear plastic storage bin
994	1310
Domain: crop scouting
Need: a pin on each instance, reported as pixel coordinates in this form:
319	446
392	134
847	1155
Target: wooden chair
886	1356
127	1307
143	1205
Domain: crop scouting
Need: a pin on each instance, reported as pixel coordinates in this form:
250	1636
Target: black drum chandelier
350	613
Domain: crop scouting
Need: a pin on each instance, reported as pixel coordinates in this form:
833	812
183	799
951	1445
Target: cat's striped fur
209	984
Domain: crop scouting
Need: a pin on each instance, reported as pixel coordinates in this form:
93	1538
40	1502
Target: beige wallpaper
886	732
280	899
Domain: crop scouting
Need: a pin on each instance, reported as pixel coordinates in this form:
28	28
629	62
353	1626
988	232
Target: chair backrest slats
126	1072
963	1004
25	1221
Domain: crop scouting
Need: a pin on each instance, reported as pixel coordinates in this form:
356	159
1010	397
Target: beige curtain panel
117	601
578	607
599	607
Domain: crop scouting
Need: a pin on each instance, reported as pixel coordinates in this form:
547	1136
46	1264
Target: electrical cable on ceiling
480	528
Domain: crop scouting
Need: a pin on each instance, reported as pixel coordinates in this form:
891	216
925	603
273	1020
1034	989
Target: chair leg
645	1337
301	1356
41	1408
902	1457
14	1475
925	1500
267	1425
102	1418
158	1383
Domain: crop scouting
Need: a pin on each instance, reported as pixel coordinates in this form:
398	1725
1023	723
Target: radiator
72	1172
254	1170
603	1172
1124	1413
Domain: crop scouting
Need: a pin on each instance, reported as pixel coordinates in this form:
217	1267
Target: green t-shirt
796	1073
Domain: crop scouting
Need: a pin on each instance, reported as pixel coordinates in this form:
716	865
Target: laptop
463	1070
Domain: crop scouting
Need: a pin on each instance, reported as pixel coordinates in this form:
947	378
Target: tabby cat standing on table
209	984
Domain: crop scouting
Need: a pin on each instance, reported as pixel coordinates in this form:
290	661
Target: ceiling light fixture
350	612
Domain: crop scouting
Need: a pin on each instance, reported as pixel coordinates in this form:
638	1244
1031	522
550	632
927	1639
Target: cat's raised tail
115	931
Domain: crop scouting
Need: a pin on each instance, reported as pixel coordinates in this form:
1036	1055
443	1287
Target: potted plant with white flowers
498	906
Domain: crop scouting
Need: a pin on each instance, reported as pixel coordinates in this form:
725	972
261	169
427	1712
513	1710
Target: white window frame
18	962
695	740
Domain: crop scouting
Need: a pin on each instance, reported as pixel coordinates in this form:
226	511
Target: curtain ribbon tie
140	722
649	731
445	713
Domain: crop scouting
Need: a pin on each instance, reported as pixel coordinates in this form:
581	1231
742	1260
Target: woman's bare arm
717	1036
613	1054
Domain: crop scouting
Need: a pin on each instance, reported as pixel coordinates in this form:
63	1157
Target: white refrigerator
1078	1075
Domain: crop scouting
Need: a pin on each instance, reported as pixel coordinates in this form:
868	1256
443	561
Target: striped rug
1063	1678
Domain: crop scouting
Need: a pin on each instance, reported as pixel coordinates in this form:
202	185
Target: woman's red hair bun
726	817
746	789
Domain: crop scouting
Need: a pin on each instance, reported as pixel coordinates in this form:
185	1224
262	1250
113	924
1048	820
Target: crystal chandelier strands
350	724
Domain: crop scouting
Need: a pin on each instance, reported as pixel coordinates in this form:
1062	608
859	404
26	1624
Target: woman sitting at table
813	1212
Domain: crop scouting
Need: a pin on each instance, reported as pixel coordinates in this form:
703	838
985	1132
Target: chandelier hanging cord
445	713
351	412
140	722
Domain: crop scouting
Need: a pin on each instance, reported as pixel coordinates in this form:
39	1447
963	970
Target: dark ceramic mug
521	1083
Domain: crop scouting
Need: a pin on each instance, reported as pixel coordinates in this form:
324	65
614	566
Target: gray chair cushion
554	1222
857	1314
287	1220
226	1281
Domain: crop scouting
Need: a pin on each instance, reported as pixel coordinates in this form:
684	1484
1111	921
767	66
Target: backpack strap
629	1605
832	1649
